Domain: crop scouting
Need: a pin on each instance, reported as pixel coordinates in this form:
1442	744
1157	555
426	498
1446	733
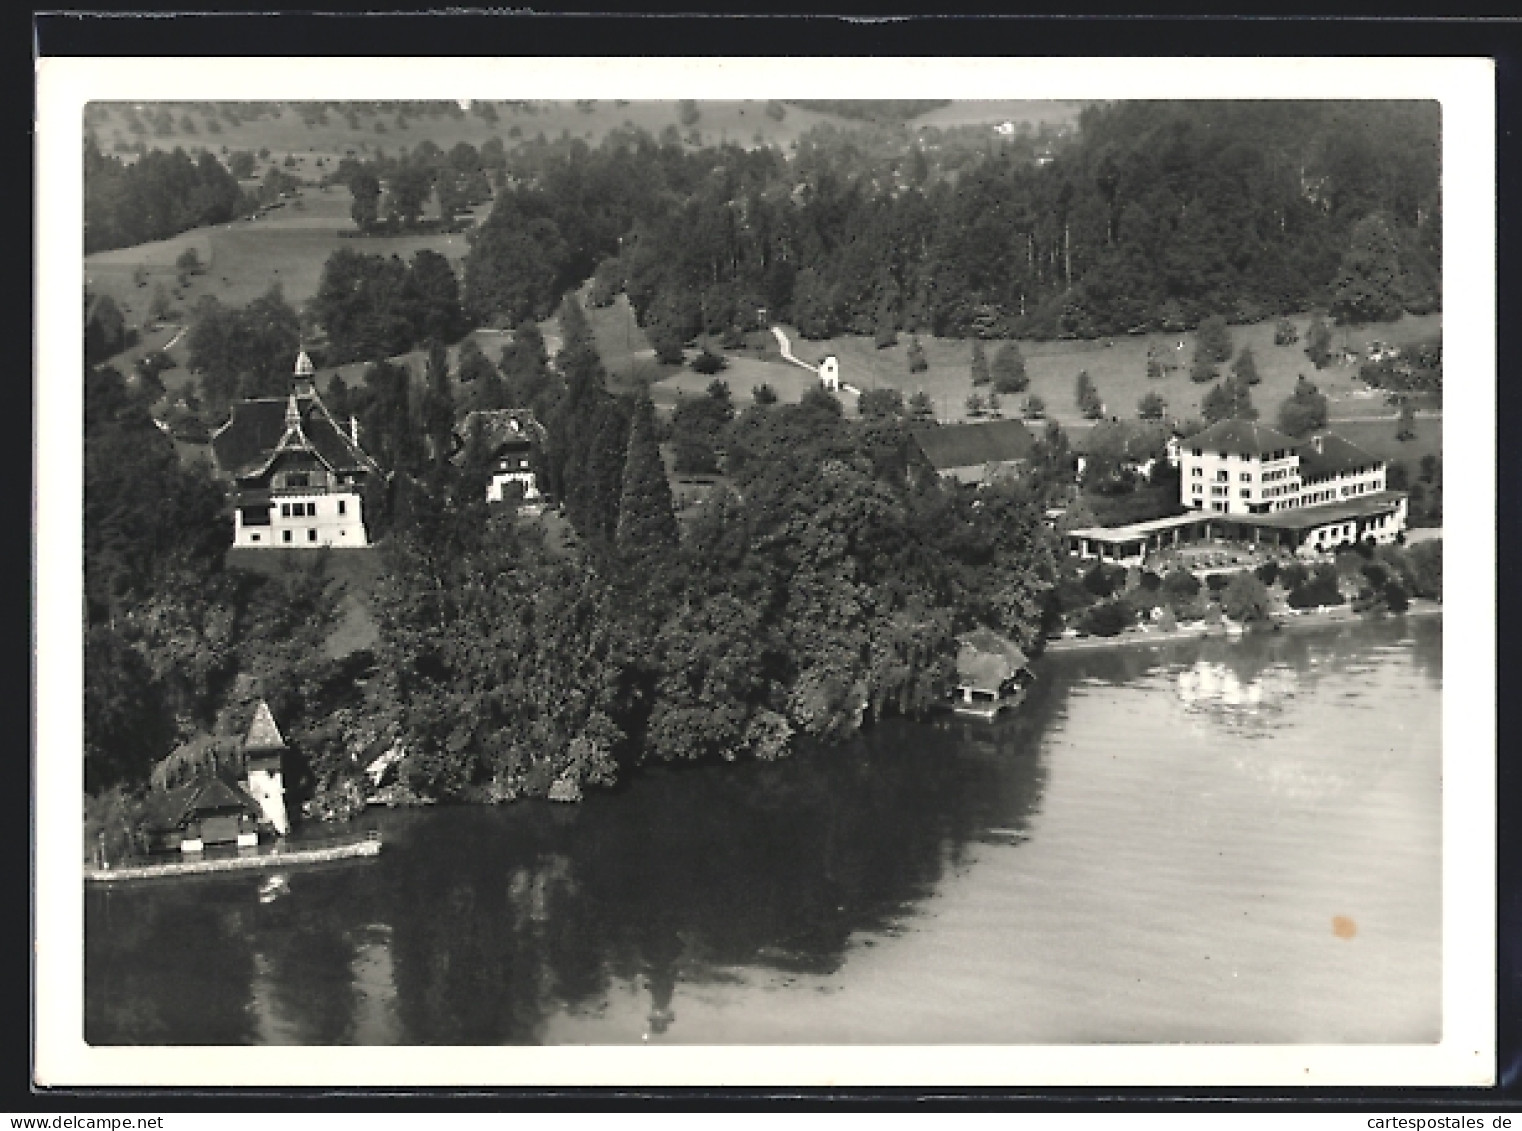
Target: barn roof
974	445
985	659
247	442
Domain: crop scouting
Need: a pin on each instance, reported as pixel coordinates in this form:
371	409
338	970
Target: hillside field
739	122
1118	367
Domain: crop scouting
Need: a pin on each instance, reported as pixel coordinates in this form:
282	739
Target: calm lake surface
1205	841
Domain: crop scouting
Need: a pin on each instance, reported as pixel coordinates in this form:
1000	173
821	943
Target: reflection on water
1067	875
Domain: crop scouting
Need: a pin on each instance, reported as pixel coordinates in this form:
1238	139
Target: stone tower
263	750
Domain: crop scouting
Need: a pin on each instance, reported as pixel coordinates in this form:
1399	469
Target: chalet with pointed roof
298	473
509	439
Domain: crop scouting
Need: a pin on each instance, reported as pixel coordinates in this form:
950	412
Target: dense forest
1157	216
157	196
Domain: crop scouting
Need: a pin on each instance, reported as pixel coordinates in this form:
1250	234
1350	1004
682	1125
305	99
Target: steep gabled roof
973	445
1327	454
246	444
1246	437
499	428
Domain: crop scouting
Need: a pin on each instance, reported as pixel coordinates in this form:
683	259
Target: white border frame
1466	89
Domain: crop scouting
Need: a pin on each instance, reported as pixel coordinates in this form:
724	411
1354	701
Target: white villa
298	475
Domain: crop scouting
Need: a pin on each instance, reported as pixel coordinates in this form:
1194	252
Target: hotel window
1245	492
342	509
1198	489
286	535
1246	477
311	510
1199	452
311	535
1198	471
1222	476
285	510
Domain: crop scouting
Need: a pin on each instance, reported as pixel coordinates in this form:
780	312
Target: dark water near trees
1222	841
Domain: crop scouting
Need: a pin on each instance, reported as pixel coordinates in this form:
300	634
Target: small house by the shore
992	674
215	790
208	811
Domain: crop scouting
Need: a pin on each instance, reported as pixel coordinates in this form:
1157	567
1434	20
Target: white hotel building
1245	481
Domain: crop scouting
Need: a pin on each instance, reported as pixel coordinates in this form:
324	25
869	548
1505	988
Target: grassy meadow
739	122
1118	367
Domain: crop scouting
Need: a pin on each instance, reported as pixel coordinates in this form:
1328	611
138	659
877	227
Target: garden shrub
1180	583
1316	591
1109	618
1294	575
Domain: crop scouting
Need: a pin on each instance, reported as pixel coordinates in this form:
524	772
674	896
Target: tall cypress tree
438	403
605	472
646	515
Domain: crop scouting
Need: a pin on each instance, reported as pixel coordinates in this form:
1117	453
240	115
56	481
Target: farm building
298	474
977	453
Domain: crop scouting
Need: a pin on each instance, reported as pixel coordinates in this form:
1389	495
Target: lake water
1205	841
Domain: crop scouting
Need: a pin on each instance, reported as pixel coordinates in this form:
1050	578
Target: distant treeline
871	109
1157	216
158	196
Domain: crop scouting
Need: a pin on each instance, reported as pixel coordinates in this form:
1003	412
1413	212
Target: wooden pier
276	856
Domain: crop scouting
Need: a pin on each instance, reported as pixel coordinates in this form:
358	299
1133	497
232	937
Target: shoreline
1339	614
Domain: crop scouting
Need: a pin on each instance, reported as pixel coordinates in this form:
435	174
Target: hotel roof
1327	454
1246	437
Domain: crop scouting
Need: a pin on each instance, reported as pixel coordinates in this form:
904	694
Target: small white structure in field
829	373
